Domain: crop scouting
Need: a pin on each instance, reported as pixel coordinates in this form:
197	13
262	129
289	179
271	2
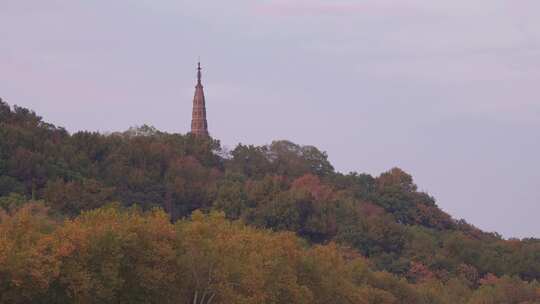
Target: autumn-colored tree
227	263
108	256
507	290
28	264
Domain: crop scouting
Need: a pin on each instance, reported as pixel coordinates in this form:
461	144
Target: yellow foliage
110	255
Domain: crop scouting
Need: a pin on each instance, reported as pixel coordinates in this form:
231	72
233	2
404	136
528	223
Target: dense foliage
359	238
109	255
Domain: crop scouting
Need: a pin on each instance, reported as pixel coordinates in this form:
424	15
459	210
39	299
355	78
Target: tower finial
199	71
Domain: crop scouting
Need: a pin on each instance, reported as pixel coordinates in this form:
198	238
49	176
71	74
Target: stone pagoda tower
199	125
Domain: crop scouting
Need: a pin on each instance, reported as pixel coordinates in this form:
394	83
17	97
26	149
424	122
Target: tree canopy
149	216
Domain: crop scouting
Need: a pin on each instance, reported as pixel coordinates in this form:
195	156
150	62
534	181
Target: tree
293	160
231	196
227	263
70	198
249	160
507	290
28	263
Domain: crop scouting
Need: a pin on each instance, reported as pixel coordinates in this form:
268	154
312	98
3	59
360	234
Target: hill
343	238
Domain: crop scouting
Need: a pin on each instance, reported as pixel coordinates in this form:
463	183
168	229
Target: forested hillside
80	222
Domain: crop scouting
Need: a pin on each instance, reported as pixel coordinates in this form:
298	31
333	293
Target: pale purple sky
447	90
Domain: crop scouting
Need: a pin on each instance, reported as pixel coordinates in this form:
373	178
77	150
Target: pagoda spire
199	125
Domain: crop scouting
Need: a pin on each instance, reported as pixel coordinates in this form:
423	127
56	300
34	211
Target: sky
449	91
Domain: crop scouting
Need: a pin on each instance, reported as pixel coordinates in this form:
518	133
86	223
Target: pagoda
199	125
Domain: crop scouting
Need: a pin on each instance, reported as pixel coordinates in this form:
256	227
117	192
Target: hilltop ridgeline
393	243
